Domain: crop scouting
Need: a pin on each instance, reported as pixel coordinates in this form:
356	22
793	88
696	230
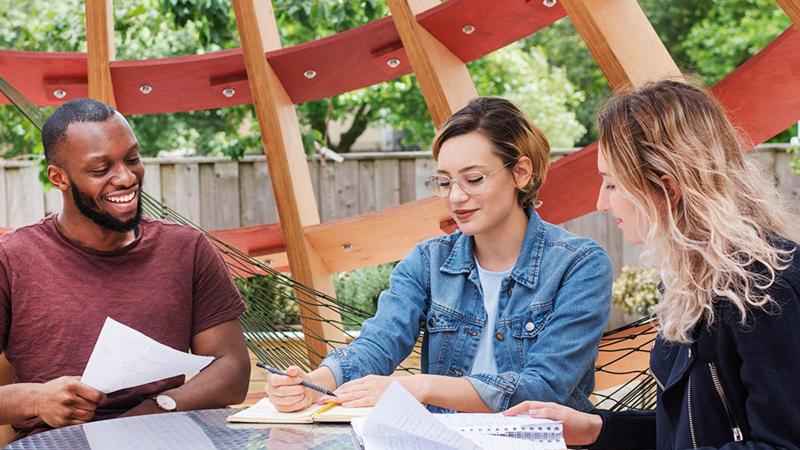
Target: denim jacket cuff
339	363
495	390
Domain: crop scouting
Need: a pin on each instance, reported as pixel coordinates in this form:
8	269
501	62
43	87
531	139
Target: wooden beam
621	40
792	8
100	49
760	97
291	181
443	78
377	237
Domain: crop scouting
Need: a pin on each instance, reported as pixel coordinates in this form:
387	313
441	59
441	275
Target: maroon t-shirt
55	295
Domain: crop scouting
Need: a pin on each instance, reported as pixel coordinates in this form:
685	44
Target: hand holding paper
124	357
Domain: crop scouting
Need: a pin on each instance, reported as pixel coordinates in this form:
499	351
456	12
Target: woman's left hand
366	391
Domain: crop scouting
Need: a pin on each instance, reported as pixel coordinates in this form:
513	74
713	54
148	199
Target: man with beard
61	277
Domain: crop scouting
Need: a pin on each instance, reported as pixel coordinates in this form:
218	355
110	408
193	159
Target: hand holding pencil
292	390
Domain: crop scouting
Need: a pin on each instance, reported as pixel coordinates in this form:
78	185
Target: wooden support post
792	8
288	169
622	41
443	78
100	49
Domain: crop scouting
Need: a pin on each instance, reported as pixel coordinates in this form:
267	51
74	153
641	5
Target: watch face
166	403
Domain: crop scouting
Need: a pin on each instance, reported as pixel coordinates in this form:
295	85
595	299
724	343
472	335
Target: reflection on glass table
195	430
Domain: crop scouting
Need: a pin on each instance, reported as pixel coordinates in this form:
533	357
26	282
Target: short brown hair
511	132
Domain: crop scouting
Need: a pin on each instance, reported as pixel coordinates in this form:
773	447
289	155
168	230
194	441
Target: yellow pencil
325	407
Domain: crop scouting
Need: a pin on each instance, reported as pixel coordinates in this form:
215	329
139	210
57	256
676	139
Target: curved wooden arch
343	62
760	96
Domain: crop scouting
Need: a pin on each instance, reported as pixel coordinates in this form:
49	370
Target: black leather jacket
734	387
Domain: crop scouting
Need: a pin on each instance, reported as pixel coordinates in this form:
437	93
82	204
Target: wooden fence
219	193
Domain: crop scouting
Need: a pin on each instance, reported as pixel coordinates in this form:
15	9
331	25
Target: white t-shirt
490	283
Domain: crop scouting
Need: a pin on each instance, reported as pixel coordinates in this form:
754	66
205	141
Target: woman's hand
286	392
366	391
579	428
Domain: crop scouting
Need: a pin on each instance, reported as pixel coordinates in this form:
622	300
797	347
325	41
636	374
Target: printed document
399	422
124	358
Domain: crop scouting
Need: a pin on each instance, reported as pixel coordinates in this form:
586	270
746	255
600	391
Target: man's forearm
222	383
17	402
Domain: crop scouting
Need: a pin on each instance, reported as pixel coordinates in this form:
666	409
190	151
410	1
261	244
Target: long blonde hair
716	240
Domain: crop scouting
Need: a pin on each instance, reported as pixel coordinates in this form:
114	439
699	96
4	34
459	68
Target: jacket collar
526	269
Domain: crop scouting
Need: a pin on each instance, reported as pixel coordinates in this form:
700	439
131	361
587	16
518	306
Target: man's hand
66	401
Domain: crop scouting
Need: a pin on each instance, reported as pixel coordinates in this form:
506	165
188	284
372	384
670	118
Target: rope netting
623	378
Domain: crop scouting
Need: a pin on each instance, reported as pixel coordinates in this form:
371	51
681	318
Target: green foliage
635	291
545	93
361	288
551	74
709	40
269	302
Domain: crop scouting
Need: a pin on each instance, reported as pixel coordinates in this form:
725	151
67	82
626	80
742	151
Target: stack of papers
399	422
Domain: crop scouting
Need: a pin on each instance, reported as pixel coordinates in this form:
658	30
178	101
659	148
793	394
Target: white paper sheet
399	422
124	357
167	432
467	420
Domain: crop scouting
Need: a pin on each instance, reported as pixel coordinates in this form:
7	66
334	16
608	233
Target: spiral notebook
520	427
399	422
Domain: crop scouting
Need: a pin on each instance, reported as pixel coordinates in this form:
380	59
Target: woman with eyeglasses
512	308
726	359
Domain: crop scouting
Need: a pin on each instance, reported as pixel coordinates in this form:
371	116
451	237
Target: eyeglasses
472	183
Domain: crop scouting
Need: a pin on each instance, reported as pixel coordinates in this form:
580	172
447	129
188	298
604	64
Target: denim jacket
552	311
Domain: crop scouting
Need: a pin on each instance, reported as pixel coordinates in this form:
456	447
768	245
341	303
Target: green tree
163	28
708	41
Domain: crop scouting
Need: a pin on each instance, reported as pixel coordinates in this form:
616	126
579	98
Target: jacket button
529	326
471	332
431	321
499	336
510	290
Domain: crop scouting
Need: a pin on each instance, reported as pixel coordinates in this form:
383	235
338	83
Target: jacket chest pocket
525	329
441	327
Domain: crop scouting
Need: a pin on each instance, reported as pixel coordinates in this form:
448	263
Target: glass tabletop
195	430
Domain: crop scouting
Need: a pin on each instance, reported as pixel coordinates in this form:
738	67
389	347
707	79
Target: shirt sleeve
216	299
387	338
567	346
5	300
633	429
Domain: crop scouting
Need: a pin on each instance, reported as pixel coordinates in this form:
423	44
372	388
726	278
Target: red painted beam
343	62
761	97
255	240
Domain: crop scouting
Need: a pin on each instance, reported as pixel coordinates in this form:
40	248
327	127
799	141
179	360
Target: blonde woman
512	307
727	356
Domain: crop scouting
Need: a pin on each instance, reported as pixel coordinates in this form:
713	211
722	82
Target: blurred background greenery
550	75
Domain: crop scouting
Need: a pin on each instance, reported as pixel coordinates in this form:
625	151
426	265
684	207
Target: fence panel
219	193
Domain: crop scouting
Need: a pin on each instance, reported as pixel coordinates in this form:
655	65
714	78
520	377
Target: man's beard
89	208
